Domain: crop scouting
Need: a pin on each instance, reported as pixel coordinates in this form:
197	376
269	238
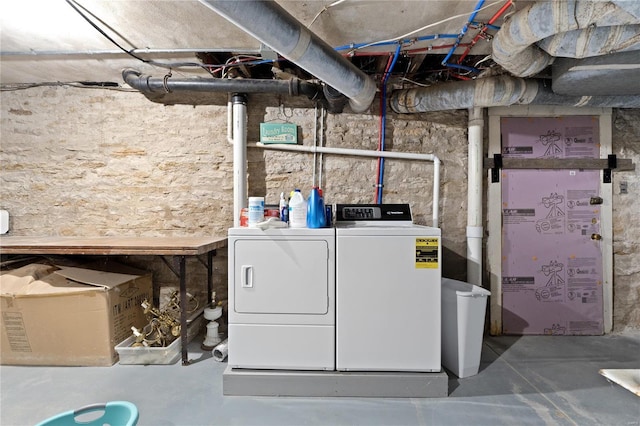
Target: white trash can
463	310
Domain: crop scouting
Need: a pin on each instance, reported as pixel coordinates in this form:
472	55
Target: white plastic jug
297	210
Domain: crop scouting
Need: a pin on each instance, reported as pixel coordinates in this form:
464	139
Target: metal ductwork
496	91
583	28
607	75
272	25
593	41
148	84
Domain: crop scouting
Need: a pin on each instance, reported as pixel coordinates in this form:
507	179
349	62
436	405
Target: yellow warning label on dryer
427	253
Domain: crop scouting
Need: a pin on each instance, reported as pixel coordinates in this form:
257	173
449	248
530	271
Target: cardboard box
68	316
278	133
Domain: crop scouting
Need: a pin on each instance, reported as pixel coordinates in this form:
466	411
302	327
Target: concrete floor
534	380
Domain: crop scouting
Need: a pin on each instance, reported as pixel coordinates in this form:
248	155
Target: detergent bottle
315	209
297	210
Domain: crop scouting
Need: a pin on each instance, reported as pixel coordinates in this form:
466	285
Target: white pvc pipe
373	154
475	230
230	122
239	157
436	191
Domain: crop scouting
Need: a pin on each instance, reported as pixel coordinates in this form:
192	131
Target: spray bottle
284	208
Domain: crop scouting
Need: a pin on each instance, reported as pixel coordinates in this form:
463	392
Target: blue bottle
315	209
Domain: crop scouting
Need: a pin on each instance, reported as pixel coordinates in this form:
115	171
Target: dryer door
281	276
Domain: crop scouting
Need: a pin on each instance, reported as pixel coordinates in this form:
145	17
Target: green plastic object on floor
114	413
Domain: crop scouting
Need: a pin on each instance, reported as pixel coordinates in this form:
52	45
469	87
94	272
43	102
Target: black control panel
373	212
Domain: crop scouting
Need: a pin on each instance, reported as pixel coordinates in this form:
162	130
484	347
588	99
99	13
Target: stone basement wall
98	162
626	222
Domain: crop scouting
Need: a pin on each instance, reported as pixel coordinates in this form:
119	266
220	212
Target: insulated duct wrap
485	92
275	27
514	45
496	91
595	41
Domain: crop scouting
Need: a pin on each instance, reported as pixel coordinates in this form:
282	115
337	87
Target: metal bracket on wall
606	173
495	168
606	165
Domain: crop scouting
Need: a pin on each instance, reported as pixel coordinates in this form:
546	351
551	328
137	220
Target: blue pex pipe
463	67
383	117
462	33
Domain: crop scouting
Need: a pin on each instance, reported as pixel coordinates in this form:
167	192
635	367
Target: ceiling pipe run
514	46
496	91
148	84
275	27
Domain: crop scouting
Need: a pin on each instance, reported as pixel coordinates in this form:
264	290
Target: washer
282	298
388	289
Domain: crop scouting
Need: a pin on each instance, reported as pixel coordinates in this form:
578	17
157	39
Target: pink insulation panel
551	255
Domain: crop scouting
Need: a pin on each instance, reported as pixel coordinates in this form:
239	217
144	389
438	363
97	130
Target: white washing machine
282	299
388	289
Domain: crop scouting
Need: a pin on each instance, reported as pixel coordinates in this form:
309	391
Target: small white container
148	355
256	210
463	310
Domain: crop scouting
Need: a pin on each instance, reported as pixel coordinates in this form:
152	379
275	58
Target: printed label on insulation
427	253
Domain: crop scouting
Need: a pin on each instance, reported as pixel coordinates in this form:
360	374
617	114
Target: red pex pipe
493	19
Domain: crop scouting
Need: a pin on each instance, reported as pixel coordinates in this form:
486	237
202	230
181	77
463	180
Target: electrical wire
486	58
75	84
210	68
407	41
324	9
396	39
415	82
250	60
77	7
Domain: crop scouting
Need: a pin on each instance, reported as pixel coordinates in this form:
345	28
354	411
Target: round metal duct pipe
514	46
617	74
275	27
496	91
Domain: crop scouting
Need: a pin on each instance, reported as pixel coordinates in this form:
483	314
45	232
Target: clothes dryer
282	298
